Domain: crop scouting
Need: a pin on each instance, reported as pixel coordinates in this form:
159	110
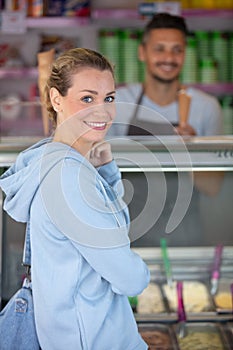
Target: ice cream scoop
181	330
216	269
166	261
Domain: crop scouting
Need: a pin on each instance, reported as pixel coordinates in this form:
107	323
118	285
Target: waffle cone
184	104
45	60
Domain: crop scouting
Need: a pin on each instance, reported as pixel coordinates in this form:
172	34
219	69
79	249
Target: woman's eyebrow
112	92
90	91
96	92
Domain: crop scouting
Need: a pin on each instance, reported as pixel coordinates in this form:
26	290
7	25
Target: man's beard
164	80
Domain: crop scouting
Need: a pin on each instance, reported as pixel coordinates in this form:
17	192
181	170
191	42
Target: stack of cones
45	60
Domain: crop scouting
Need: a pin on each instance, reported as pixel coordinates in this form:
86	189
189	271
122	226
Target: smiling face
88	108
163	53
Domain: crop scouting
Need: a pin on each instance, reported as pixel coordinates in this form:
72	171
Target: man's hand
185	130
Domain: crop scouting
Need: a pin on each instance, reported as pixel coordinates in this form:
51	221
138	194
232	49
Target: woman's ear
141	55
55	98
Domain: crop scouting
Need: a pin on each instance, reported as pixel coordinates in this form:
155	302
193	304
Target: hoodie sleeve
99	232
121	267
110	172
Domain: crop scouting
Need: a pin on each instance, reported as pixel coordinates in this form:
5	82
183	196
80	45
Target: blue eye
109	99
87	99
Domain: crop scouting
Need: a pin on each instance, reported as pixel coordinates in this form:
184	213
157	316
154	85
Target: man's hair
166	21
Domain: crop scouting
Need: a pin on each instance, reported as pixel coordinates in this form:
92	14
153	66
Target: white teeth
167	68
95	124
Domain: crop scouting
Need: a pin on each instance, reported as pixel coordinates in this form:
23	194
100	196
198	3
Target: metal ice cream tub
203	336
158	336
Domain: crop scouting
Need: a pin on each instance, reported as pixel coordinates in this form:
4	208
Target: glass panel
20	118
12	269
206	221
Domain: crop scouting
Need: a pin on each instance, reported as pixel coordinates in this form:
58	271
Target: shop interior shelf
117	14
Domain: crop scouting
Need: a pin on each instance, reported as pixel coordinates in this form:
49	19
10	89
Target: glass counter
180	189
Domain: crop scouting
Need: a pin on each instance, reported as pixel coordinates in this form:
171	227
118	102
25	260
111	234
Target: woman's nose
100	108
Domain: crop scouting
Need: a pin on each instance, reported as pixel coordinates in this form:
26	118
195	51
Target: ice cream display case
180	197
199	336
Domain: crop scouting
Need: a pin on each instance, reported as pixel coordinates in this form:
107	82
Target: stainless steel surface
167	153
196	260
181	329
164	330
162	153
165	143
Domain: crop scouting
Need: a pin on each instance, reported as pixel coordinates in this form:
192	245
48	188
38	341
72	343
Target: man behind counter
163	51
138	109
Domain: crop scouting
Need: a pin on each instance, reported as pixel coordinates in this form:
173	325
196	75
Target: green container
227	109
220	49
101	40
109	47
190	68
121	57
208	70
141	65
130	39
203	44
230	56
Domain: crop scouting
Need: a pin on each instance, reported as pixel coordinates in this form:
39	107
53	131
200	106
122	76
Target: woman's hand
100	154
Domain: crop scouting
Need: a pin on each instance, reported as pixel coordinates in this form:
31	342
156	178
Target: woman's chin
96	136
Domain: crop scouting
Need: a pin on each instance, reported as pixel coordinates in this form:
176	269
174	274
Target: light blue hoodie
82	266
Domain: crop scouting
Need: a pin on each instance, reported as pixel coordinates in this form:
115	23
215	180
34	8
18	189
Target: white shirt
205	111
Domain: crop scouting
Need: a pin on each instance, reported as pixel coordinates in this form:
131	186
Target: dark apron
191	222
143	128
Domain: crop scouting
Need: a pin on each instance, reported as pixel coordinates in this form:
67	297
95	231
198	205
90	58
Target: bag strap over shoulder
27	252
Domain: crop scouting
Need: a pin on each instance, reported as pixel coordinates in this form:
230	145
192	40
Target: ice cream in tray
223	298
204	295
158	336
196	297
204	336
150	301
159	302
199	336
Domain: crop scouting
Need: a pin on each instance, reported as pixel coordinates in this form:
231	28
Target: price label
148	9
13	22
171	7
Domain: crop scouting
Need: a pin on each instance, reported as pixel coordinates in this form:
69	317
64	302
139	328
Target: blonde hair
68	64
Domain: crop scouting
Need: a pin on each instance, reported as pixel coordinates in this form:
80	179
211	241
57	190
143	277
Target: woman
68	190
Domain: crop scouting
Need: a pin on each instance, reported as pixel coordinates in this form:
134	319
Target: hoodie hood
21	181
